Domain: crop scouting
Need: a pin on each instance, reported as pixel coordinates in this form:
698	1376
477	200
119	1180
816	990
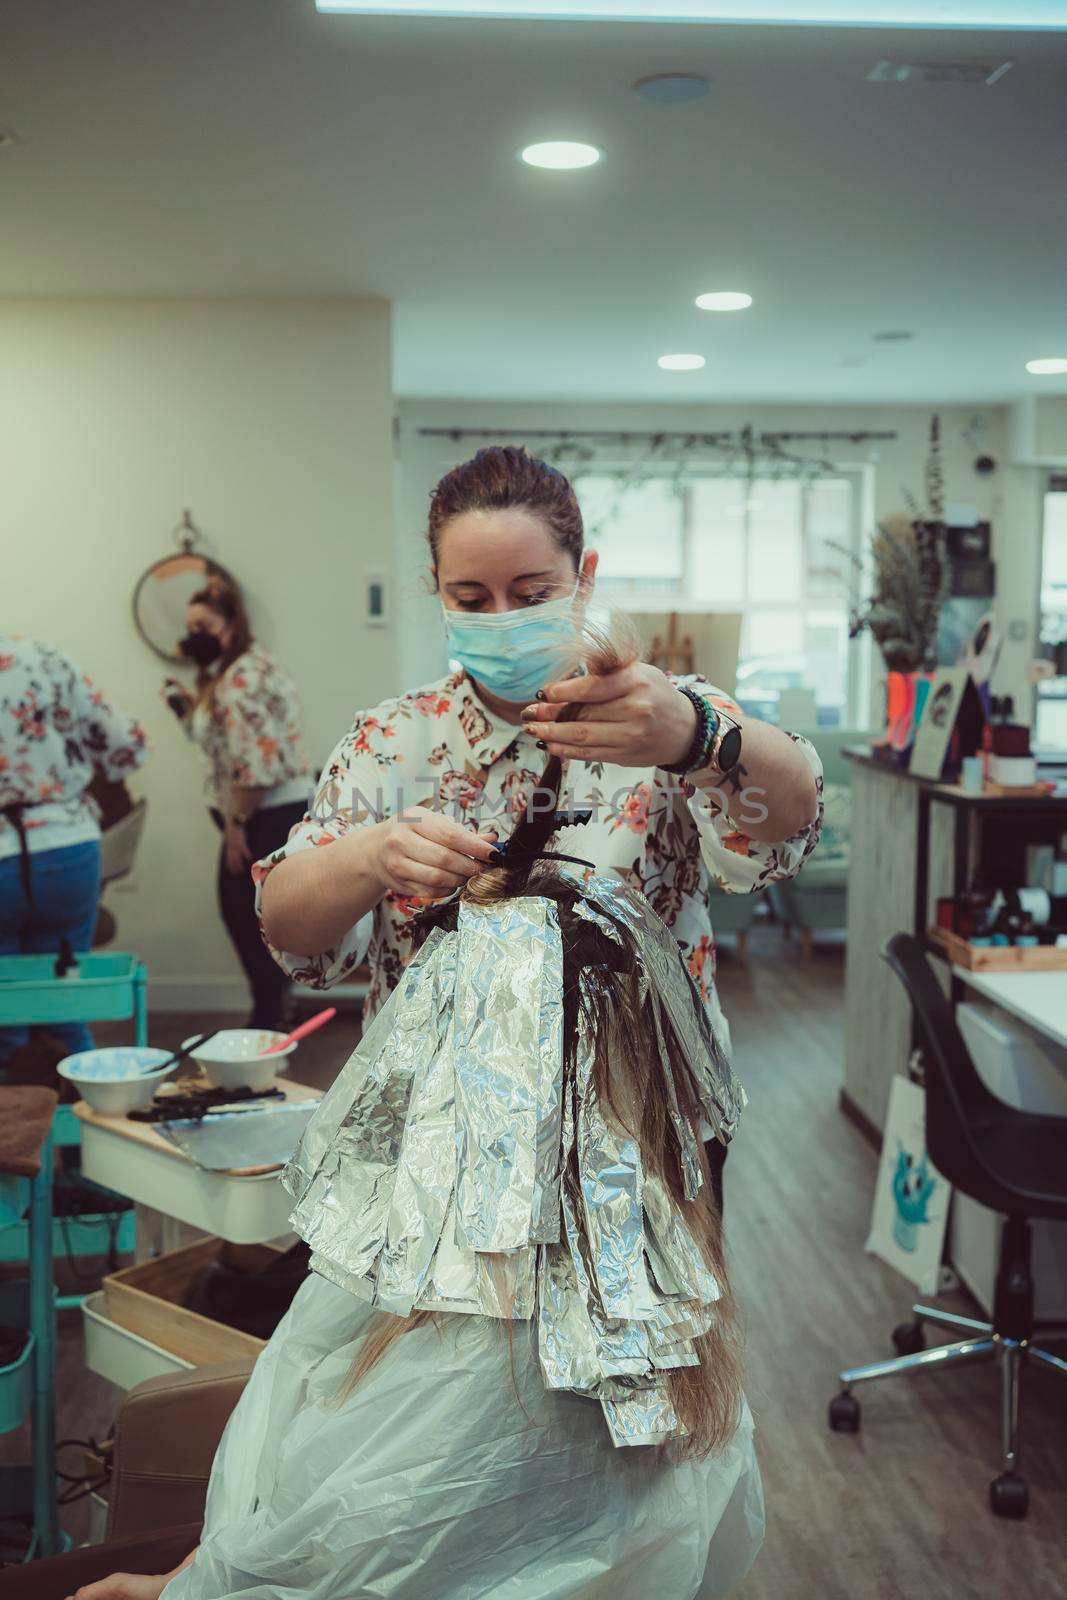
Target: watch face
729	750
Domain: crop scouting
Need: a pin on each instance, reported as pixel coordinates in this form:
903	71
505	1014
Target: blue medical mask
514	653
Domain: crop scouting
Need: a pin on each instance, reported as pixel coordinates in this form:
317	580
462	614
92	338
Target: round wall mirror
163	593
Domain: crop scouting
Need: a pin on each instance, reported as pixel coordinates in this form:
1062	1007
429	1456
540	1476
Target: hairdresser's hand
236	848
634	717
124	1586
425	855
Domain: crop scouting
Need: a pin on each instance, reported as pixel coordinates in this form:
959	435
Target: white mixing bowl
234	1058
123	1078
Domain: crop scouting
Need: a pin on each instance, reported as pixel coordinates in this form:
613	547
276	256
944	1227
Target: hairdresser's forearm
312	898
774	776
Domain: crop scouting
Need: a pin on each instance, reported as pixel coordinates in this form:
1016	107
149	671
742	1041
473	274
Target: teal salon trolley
29	1524
107	987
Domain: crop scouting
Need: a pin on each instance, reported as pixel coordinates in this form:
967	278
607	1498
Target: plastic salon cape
480	1455
445	1478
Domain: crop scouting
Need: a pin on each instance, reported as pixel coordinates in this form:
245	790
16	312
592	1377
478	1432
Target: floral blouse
249	732
56	731
441	746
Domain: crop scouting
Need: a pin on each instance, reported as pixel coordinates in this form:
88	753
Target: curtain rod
644	436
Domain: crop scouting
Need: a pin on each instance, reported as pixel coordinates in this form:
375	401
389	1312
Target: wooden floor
899	1510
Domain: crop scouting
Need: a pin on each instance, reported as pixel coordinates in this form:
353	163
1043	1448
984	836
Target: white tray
122	1357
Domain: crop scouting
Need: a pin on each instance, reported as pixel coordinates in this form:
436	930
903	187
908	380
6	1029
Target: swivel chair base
1008	1493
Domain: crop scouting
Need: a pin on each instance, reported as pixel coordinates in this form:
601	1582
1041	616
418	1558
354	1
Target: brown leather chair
165	1441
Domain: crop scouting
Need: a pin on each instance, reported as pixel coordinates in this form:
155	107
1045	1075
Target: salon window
774	551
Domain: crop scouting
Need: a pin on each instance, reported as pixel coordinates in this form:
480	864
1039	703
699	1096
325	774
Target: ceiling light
680	363
1047	364
1046	15
724	300
972	72
561	155
672	88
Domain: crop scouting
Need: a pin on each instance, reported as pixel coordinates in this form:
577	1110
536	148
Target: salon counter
911	842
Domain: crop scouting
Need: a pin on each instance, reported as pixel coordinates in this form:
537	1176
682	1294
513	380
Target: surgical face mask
514	653
203	648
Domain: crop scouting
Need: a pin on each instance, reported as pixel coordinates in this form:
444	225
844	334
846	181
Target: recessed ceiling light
1047	364
724	300
672	88
561	155
680	363
892	336
972	72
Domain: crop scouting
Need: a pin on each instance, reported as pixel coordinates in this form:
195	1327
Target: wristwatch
716	742
724	751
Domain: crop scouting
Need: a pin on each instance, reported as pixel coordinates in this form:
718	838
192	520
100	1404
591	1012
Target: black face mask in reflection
203	648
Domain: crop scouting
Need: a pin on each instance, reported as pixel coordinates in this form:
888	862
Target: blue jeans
66	890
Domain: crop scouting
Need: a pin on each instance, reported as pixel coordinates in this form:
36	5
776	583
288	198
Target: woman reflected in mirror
244	716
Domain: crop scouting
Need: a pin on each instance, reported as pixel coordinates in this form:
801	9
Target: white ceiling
230	147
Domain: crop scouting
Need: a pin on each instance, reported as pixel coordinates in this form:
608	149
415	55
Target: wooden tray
147	1300
999	958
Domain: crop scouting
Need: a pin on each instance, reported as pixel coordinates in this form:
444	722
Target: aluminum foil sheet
455	1167
722	1096
507	1046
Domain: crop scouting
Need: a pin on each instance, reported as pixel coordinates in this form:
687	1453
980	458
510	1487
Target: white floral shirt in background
56	732
655	831
248	731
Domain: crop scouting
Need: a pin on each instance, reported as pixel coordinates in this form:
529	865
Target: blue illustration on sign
912	1187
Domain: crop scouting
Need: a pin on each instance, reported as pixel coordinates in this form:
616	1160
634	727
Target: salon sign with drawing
911	1197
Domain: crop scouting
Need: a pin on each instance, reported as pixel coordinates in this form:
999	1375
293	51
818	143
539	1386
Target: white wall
1010	498
272	421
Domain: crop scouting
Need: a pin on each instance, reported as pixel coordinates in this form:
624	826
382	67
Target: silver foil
507	1047
722	1097
451	1168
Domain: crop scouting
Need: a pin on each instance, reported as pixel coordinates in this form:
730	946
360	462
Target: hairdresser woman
245	717
702	794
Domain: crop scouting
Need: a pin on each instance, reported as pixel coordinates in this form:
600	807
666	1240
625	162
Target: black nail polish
541	745
540	695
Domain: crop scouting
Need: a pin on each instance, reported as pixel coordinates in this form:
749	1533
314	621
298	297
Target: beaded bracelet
699	753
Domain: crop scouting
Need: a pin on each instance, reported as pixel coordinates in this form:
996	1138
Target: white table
168	1189
1037	998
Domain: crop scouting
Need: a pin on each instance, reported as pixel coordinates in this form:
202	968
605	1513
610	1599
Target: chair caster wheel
1009	1496
909	1338
844	1413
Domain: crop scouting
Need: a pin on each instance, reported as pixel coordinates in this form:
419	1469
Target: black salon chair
1014	1162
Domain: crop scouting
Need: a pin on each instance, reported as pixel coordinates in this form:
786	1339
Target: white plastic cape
450	1476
